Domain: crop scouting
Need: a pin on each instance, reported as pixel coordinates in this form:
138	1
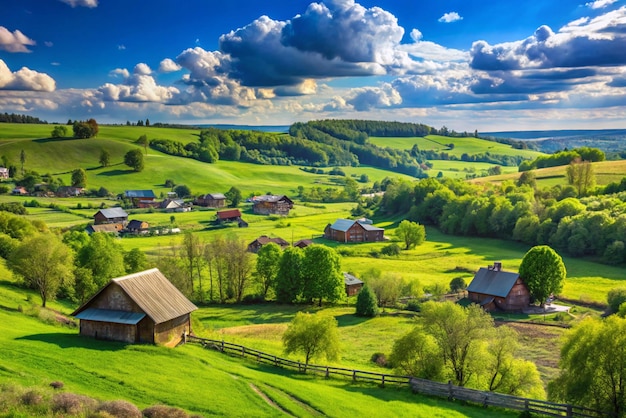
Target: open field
465	145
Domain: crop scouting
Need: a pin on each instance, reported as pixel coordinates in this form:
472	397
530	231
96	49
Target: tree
593	366
543	272
234	196
616	297
387	288
105	158
144	142
366	303
268	259
79	178
193	255
22	160
238	261
416	354
103	256
182	191
457	284
314	335
411	233
321	274
59	131
44	262
289	277
581	175
134	159
135	260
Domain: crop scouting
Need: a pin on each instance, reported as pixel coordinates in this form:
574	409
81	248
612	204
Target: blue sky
507	65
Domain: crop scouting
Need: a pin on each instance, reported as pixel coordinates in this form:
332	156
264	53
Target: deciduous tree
366	303
417	354
105	158
44	262
134	159
103	256
233	195
79	178
289	277
321	274
314	335
411	233
543	271
581	175
267	262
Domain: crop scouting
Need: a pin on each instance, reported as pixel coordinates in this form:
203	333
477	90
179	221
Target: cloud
305	88
368	98
450	17
142	69
582	43
14	41
427	50
168	66
600	4
123	72
121	47
137	88
24	79
81	3
48	44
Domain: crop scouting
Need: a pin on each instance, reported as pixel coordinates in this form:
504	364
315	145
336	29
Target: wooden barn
495	289
141	198
228	215
211	200
303	243
346	230
256	245
111	216
142	307
271	205
353	285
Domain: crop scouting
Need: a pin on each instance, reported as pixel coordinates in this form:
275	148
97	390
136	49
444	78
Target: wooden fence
422	386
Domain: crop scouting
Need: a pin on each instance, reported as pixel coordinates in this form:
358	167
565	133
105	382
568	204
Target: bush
72	404
413	306
380	359
121	409
391	250
57	385
616	297
32	398
4	189
457	284
163	411
366	303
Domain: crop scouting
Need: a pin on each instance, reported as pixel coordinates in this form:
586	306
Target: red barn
495	289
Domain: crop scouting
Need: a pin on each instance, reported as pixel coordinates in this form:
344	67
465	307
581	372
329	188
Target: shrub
32	398
163	411
616	297
380	359
70	403
121	409
413	306
366	303
4	189
392	249
57	384
457	284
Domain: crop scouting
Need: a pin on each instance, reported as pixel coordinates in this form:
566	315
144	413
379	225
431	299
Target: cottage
256	245
229	215
271	205
140	198
211	200
4	173
106	228
174	205
353	285
138	227
69	191
495	289
111	216
346	230
142	307
19	190
303	243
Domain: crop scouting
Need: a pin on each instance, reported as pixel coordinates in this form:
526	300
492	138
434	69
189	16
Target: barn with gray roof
495	289
347	230
143	307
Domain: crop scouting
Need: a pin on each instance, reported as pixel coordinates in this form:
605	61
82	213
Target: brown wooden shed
495	289
143	307
346	230
272	205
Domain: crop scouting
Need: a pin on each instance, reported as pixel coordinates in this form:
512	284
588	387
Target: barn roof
345	224
229	213
107	315
272	198
139	194
108	228
493	282
153	293
215	196
350	280
115	212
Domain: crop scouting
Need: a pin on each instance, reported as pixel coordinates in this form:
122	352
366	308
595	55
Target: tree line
16	118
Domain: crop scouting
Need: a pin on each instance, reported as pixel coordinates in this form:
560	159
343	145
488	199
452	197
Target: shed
229	215
256	245
303	243
211	200
353	285
271	205
138	227
495	289
143	307
106	228
111	216
347	230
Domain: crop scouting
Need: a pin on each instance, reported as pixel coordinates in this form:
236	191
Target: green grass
464	145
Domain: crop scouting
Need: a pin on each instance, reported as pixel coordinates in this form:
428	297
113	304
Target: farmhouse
211	200
271	205
142	307
138	227
106	228
303	243
111	216
256	245
353	285
141	198
346	230
174	205
495	289
229	215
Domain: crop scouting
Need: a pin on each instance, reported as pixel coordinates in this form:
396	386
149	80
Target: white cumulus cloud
119	72
14	41
81	3
24	79
450	17
142	69
600	4
168	66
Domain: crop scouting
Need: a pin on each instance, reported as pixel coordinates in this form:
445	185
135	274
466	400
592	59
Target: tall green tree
543	272
289	277
103	256
79	178
267	262
144	142
233	195
366	303
135	261
417	354
59	131
314	335
581	175
44	262
192	251
593	366
105	158
134	159
321	274
411	233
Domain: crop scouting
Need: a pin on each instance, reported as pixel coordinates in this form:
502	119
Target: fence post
327	373
526	405
299	366
569	412
275	361
382	383
243	351
354	375
450	391
222	346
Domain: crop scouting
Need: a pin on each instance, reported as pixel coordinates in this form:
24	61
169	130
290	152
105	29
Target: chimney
497	266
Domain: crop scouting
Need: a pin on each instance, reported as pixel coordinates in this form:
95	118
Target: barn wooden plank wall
422	386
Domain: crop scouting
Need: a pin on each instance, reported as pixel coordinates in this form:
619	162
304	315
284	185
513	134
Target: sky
464	64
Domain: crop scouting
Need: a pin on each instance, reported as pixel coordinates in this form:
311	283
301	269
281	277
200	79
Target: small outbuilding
303	243
347	230
258	243
143	307
353	285
228	215
495	289
271	205
211	200
111	216
106	228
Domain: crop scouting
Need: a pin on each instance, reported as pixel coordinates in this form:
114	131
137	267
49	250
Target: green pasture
464	145
460	169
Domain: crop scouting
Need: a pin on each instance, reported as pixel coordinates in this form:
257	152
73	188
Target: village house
346	230
111	216
138	227
271	205
19	190
495	289
256	245
353	285
69	191
211	200
228	215
303	243
143	307
4	173
106	228
141	198
174	205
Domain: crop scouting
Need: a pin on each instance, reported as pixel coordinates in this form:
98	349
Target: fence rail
422	386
